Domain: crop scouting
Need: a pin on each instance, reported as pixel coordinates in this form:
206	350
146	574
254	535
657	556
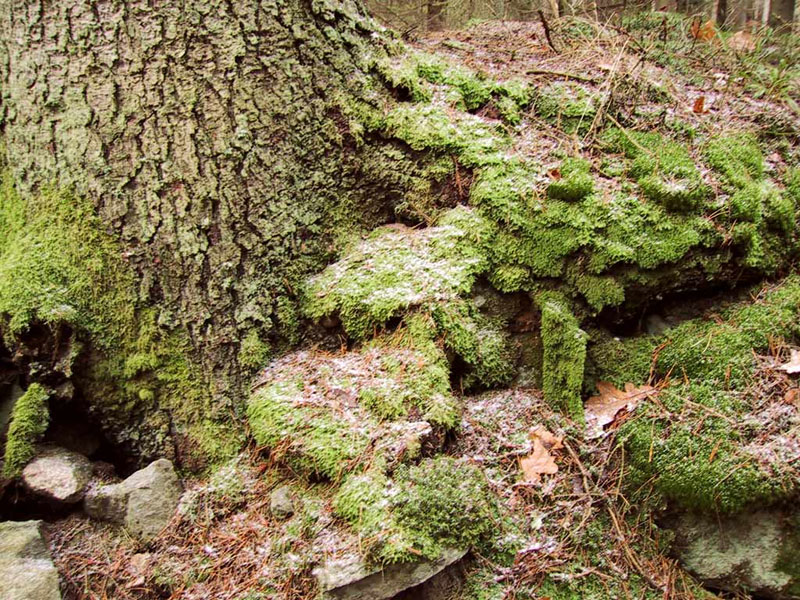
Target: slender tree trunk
436	15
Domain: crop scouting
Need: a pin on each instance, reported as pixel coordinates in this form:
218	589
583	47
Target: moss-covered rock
564	345
440	503
701	445
29	420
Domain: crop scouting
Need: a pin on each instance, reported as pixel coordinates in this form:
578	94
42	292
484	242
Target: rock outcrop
58	474
757	553
144	502
350	578
26	570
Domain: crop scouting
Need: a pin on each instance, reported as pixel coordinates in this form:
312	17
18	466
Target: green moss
737	158
564	346
576	181
618	361
253	351
479	342
397	269
696	453
700	464
426	127
663	168
29	420
313	439
570	106
440	503
721	351
57	265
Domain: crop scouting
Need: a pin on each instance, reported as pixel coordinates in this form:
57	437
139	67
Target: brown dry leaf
699	105
704	32
549	440
539	462
792	396
742	41
602	410
793	366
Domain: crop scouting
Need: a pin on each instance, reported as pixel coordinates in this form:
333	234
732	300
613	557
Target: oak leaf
699	105
602	410
540	462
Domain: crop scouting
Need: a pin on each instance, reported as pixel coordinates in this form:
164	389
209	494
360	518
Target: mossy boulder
710	444
756	553
421	510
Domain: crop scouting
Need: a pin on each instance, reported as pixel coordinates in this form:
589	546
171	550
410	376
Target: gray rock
350	578
281	504
58	474
144	503
26	571
757	553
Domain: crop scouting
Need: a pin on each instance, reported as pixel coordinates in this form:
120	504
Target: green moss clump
478	341
312	438
576	181
426	127
697	454
29	420
570	106
58	265
663	168
397	269
700	463
253	351
737	158
618	361
440	503
722	351
564	346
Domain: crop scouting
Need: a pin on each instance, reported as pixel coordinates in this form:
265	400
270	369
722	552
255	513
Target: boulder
58	474
351	578
144	502
757	553
26	570
280	502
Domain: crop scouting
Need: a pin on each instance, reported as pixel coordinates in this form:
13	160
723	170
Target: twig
562	74
547	31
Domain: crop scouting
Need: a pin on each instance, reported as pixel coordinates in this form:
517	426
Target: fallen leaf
742	41
603	409
549	440
793	366
539	462
792	396
555	173
704	32
699	105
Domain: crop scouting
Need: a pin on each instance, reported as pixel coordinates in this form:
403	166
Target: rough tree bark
211	137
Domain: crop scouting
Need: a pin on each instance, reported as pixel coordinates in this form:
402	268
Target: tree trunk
436	15
212	138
